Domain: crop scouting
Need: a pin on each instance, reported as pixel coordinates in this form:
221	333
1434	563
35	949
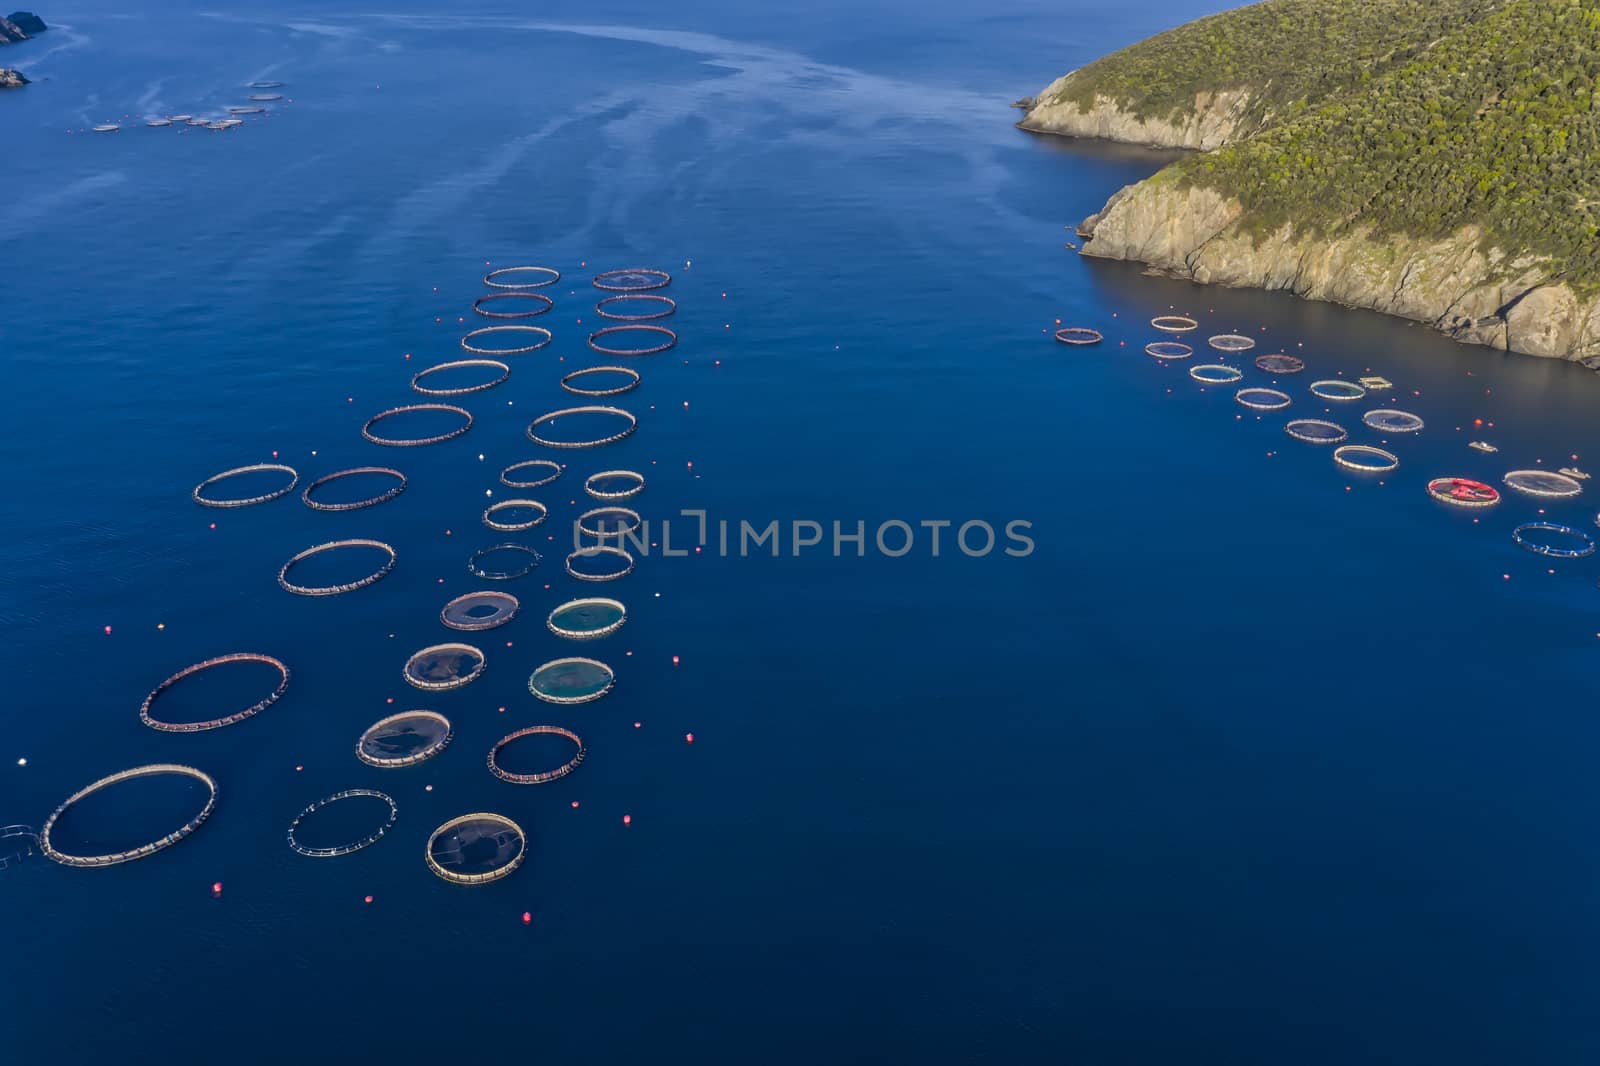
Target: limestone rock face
1456	285
1218	118
11	79
10	32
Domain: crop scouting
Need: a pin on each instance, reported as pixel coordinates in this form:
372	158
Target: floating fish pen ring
446	848
1168	350
1231	342
1554	551
543	464
1279	363
1543	483
140	852
632	279
1262	399
228	719
459	612
1079	335
334	590
633	424
514	527
438	668
667	304
661	331
17	843
1174	323
1316	431
354	505
593	522
495	279
1336	390
206	501
1463	492
544	302
1216	374
634	486
434	736
543	776
477	570
571	680
355	845
1366	459
609	551
1387	421
566	382
485	331
457	364
416	442
588	618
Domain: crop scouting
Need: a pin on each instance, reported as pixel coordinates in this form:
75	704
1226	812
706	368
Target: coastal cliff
1437	161
20	26
11	79
1475	294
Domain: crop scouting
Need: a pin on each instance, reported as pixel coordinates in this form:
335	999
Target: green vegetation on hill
1288	53
1496	124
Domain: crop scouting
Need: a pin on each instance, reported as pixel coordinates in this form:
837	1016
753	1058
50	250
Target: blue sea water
1248	761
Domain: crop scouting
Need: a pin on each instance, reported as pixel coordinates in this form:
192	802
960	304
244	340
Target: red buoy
216	888
527	918
627	819
688	738
367	899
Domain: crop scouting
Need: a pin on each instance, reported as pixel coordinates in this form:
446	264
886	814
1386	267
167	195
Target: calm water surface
1249	761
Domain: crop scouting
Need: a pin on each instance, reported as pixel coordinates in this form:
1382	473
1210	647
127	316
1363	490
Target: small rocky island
19	27
1434	159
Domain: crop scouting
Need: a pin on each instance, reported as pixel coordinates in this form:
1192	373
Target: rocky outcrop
28	22
11	79
1217	119
1456	285
10	32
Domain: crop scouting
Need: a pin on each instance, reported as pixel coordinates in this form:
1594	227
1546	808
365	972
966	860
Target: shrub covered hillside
1494	125
1285	53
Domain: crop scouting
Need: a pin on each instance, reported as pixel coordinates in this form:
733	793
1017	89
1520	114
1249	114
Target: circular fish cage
143	850
246	501
1216	374
543	776
569	381
478	569
223	720
1080	335
521	277
1365	459
1174	323
477	611
1258	399
1168	350
404	739
468	342
416	442
459	364
354	505
549	417
265	85
609	521
355	845
495	515
442	667
1231	342
632	279
1316	431
348	586
531	464
1553	539
1463	492
1280	364
265	98
18	843
611	306
475	849
670	338
586	564
571	680
541	303
614	484
1543	483
1337	391
588	618
1387	421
